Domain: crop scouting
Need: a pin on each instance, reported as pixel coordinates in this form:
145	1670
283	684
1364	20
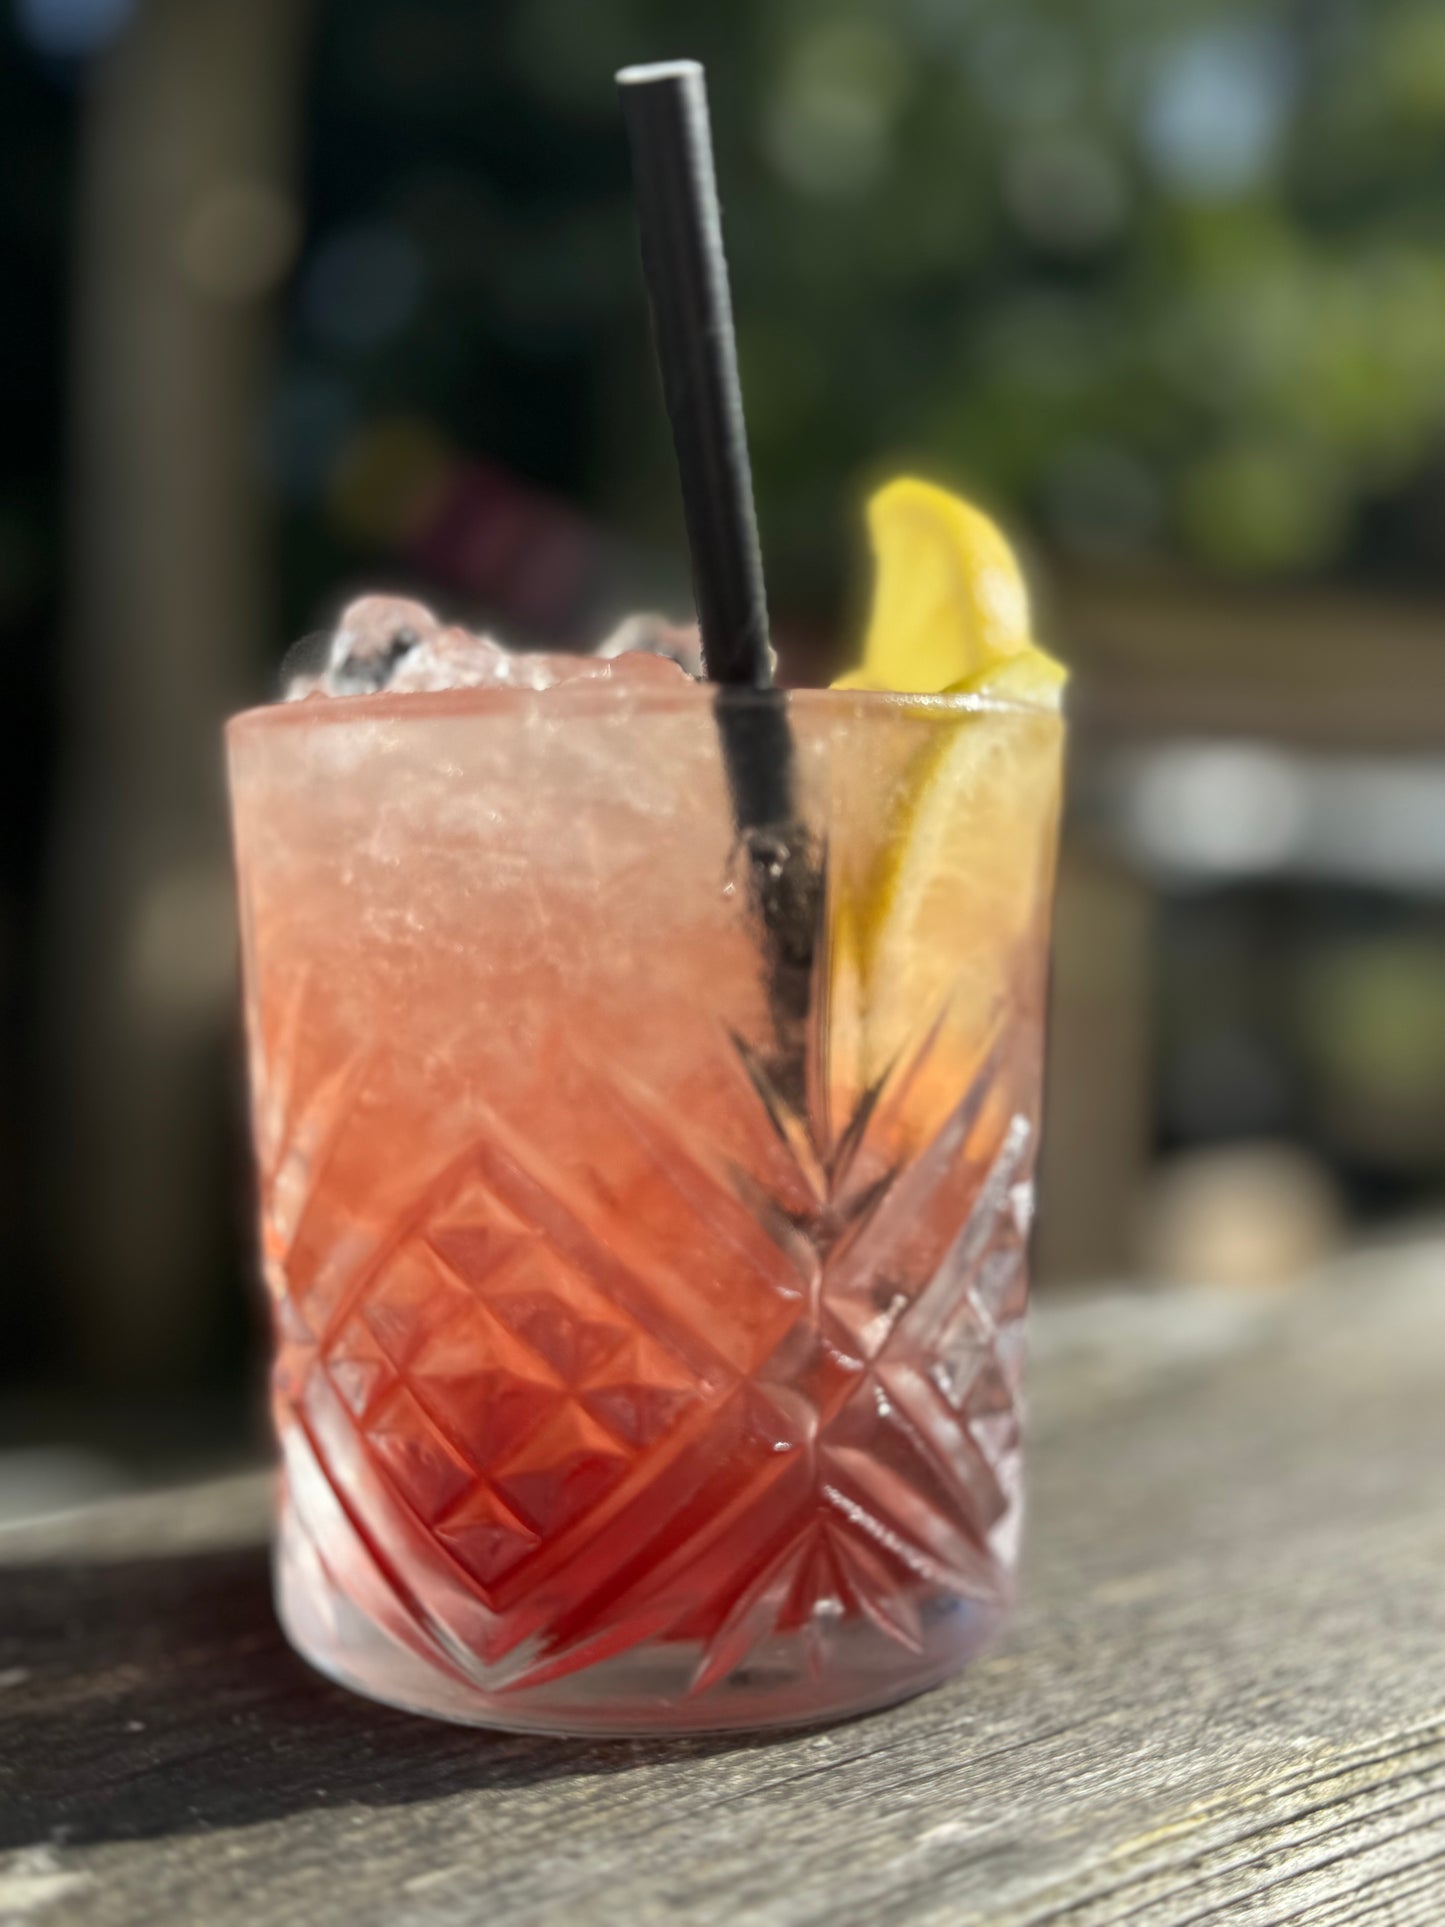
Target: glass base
806	1677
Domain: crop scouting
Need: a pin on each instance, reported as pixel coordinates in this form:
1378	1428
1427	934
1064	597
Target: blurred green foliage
1155	276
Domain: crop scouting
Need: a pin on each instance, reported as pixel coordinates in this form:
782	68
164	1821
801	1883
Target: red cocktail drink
640	1366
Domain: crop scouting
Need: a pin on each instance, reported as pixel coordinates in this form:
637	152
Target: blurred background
302	295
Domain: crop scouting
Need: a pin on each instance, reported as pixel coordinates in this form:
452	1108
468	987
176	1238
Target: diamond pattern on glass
815	1423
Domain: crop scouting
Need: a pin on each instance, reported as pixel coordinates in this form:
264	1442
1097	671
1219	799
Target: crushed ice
393	644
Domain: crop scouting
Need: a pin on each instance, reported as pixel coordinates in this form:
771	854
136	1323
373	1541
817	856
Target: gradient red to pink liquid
606	1365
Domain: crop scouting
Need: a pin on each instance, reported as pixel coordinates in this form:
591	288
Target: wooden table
1223	1698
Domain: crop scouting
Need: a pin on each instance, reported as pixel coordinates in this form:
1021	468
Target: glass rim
596	697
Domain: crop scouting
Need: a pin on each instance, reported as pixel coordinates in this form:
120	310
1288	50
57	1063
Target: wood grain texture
1223	1698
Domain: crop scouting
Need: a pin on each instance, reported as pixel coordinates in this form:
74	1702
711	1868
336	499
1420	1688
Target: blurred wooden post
1098	1115
187	222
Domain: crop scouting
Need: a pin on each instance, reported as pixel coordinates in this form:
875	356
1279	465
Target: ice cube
451	659
655	636
380	636
391	643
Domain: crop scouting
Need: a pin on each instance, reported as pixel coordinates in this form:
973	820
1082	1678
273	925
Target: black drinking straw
665	108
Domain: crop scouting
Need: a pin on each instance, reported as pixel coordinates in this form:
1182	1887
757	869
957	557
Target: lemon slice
932	940
937	942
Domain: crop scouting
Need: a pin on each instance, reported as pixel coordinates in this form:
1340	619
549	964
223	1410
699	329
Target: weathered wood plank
1224	1696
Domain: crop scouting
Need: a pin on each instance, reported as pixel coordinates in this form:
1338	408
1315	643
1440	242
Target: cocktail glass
644	1360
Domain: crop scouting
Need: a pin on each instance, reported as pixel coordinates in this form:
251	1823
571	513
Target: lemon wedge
939	933
950	608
